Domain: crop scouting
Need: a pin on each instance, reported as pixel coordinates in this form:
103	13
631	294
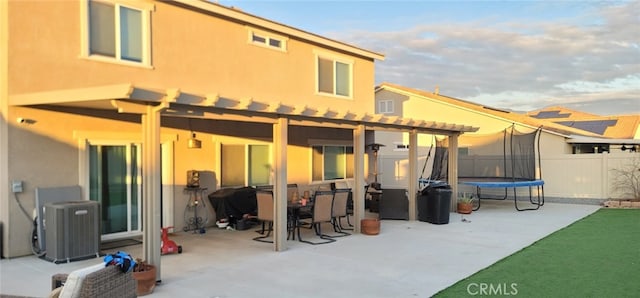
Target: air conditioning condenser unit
72	230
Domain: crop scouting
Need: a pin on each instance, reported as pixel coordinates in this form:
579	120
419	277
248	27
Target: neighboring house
125	97
566	175
616	132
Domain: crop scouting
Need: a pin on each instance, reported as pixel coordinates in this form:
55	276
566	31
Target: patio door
115	182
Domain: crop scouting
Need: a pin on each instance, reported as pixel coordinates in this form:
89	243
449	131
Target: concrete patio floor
407	259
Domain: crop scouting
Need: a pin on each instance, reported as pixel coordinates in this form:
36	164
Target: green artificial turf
598	256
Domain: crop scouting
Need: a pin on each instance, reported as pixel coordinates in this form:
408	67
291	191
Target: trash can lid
439	184
435	185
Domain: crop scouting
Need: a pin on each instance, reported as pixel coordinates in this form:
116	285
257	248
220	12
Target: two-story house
124	97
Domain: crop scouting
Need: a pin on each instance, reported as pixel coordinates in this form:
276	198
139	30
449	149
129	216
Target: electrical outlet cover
16	186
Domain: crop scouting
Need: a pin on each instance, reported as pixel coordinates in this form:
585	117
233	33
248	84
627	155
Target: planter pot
465	208
625	204
146	280
370	226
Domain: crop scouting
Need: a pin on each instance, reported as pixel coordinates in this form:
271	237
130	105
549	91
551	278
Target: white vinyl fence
566	176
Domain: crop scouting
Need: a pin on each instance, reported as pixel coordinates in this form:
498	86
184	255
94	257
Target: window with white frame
117	31
267	40
244	164
334	76
332	162
385	106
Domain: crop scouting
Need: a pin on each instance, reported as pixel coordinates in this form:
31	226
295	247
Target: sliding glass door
115	182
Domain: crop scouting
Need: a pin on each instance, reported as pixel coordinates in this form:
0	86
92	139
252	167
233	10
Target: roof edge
278	27
547	126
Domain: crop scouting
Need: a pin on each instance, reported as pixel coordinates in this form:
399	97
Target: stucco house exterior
110	95
568	176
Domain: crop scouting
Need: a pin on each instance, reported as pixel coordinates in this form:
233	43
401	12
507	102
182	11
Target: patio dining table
294	209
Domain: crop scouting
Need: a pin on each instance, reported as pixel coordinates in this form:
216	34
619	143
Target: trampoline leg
541	193
531	197
515	200
477	195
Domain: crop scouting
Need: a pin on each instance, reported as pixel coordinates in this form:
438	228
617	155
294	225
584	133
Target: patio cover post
413	173
152	186
280	141
453	169
359	178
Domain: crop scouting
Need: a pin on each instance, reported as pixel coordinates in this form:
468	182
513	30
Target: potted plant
465	204
145	274
370	226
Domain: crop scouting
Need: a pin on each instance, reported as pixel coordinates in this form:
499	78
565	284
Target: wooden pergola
154	104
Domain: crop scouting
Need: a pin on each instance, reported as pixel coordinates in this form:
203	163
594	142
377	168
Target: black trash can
434	203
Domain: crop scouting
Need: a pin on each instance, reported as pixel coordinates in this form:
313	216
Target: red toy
168	246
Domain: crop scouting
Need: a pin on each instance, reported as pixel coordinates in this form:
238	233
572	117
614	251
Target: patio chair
321	213
350	210
339	208
265	215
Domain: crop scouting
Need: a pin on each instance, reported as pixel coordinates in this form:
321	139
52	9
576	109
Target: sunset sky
518	55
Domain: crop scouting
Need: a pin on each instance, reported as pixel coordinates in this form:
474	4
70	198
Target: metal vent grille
72	230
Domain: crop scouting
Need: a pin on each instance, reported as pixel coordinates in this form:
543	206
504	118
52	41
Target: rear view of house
125	97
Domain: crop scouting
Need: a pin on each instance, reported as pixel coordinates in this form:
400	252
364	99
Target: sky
516	55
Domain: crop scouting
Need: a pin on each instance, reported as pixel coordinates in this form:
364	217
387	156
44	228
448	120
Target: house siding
196	52
190	50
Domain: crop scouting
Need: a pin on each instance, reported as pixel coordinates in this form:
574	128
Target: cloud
592	57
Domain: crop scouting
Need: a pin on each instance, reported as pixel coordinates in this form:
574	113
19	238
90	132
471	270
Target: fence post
605	175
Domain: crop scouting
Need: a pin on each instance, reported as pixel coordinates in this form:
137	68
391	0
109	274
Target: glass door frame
138	187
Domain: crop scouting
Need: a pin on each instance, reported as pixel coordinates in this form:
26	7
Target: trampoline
506	185
515	169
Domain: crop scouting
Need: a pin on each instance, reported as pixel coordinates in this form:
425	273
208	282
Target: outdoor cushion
74	281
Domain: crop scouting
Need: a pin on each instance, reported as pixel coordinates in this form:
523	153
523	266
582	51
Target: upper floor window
385	107
118	32
334	76
267	40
